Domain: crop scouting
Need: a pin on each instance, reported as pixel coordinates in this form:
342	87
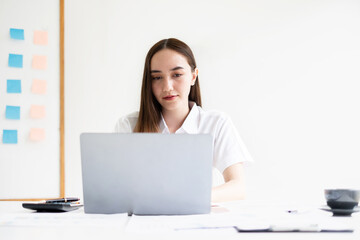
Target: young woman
171	103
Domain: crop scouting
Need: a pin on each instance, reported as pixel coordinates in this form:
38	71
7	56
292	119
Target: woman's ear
194	74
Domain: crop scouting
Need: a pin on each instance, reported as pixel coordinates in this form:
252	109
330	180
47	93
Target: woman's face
171	79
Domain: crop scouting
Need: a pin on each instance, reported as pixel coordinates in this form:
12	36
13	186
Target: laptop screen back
146	173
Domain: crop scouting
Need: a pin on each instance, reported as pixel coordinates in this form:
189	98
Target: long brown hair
150	108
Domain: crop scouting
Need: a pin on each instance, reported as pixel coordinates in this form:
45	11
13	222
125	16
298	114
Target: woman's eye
177	75
155	78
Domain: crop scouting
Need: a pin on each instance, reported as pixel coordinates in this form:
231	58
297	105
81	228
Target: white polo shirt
227	144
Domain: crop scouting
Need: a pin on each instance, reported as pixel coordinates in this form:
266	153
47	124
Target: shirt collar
190	124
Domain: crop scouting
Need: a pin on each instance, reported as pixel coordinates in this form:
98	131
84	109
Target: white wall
287	72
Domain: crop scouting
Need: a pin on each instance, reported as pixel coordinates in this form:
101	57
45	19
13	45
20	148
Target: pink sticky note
39	62
40	37
38	86
37	134
37	111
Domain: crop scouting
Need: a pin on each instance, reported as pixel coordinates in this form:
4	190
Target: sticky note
17	33
12	112
15	60
39	62
13	86
38	86
37	134
10	136
37	111
40	37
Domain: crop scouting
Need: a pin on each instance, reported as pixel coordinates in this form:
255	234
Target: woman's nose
168	84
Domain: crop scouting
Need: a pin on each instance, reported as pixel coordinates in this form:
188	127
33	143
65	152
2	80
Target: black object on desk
55	205
287	229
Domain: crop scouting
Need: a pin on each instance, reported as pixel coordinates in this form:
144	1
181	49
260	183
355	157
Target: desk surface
19	223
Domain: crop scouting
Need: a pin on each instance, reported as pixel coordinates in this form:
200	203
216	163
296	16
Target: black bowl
342	198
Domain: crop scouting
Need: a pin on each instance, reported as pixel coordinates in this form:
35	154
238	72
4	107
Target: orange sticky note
37	111
39	62
37	134
40	37
38	86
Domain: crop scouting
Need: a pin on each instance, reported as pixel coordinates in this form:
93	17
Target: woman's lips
169	97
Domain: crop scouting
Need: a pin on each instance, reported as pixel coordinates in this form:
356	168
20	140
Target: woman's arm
233	188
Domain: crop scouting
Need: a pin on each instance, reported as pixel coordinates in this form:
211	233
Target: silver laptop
146	173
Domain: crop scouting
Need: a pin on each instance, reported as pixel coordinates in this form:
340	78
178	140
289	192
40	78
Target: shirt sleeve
123	125
228	146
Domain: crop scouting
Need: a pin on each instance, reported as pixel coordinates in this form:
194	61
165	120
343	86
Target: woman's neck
175	118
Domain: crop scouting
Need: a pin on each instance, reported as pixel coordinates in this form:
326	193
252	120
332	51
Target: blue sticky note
15	60
13	86
12	112
10	136
17	33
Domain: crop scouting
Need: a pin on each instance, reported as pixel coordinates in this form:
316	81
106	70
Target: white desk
19	223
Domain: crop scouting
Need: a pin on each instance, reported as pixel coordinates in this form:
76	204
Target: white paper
255	217
163	224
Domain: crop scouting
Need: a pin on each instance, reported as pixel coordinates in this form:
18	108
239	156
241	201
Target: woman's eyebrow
177	68
173	69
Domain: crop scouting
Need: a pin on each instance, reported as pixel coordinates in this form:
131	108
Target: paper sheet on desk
167	224
63	219
163	224
182	223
